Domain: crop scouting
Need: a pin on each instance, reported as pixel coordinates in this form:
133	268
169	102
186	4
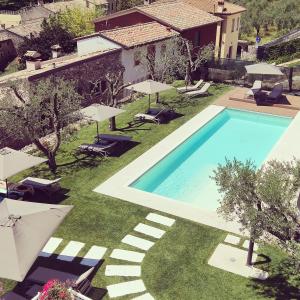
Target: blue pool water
184	174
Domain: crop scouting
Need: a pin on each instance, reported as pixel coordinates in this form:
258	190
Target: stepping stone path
137	242
144	297
127	255
94	255
160	219
50	247
232	239
123	270
246	245
135	286
149	230
71	251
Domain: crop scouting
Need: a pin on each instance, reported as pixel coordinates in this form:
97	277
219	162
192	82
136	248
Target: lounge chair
255	89
113	138
152	115
190	87
276	92
102	148
202	92
41	184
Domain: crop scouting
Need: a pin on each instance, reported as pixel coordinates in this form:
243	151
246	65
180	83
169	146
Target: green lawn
176	267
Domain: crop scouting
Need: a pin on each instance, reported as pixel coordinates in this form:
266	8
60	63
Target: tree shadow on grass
283	282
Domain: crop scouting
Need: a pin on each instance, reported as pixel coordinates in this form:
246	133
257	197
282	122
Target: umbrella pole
6	183
149	100
97	132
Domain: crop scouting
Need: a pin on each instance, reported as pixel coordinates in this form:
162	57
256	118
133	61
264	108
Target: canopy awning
99	113
149	87
13	162
25	228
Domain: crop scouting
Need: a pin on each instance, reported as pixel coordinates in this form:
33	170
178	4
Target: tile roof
63	5
179	15
139	34
211	6
27	29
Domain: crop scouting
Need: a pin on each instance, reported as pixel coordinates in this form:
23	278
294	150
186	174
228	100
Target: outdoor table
32	292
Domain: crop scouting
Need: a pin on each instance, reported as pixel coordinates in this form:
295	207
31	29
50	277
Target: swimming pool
184	174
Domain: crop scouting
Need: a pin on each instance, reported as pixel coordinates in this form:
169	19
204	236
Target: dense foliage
284	15
125	4
283	52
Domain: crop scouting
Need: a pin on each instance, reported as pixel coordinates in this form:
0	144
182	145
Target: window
237	23
197	39
232	25
137	58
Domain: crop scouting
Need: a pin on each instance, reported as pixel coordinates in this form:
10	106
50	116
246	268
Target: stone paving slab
126	288
232	259
144	297
137	242
132	256
50	247
94	255
232	239
160	219
123	270
70	251
149	230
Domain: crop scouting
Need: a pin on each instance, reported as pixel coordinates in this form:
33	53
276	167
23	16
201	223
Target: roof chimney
147	2
220	7
56	51
33	61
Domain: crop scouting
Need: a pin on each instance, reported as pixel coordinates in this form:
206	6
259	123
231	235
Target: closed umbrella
99	113
13	162
25	228
149	87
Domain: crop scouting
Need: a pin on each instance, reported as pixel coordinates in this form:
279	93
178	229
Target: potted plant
56	290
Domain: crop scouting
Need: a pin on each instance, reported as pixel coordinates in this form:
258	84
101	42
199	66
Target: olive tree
263	200
33	112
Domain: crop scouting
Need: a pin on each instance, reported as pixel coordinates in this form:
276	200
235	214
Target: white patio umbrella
99	113
263	69
149	87
13	162
25	228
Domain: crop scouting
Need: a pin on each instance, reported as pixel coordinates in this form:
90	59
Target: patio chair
44	185
255	89
202	92
190	87
155	116
276	92
102	148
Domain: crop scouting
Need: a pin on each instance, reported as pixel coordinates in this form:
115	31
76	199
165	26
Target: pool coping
118	185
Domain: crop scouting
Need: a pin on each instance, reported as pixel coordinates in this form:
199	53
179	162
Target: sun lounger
99	148
152	115
190	87
276	92
114	138
255	89
42	184
202	92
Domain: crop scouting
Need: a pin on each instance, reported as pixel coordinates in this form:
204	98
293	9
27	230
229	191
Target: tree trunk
112	123
250	252
52	162
157	98
291	79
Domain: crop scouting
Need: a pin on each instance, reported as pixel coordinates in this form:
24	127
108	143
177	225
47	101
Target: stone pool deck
236	98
